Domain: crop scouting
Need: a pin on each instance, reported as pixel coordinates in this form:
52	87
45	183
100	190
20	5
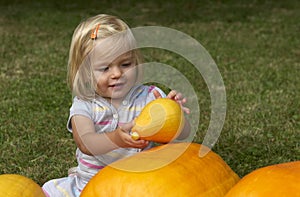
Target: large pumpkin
14	185
161	120
275	180
168	170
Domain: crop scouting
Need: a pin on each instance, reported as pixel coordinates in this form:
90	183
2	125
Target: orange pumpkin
14	185
167	170
275	180
161	120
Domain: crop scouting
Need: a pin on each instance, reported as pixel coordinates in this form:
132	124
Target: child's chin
117	96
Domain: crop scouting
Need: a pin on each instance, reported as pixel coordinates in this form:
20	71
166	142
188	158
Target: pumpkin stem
135	135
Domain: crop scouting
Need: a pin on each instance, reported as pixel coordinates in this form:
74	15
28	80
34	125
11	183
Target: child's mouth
116	86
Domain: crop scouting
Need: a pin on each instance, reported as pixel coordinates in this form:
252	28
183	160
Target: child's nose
116	72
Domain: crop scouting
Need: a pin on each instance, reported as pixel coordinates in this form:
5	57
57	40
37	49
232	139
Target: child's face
116	78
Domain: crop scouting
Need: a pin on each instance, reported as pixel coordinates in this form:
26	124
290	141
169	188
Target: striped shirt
106	118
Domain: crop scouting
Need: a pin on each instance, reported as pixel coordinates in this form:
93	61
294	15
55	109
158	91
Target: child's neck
115	102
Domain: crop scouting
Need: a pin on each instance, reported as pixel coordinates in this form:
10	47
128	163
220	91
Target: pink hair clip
94	32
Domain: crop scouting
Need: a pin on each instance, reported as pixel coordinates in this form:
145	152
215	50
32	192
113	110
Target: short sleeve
152	88
79	107
163	95
150	96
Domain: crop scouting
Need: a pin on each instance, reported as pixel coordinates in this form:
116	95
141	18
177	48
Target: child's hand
176	96
124	139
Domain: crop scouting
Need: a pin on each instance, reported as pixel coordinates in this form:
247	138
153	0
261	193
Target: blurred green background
254	43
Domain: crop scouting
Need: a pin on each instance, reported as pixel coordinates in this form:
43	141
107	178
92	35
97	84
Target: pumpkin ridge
201	175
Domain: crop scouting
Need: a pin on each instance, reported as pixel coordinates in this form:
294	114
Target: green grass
255	45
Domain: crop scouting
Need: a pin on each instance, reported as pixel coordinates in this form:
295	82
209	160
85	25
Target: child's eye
103	69
126	64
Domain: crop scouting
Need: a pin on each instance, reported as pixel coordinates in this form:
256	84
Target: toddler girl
104	78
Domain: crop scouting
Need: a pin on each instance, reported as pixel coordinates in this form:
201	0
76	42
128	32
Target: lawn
255	45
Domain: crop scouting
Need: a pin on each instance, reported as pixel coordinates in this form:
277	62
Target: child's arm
92	143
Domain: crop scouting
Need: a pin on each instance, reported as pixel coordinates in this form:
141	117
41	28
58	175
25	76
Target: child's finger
186	110
172	94
178	96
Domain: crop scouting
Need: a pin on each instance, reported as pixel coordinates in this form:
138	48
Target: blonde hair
80	73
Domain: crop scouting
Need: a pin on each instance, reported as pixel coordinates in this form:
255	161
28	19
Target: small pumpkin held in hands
169	170
14	185
161	120
277	180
